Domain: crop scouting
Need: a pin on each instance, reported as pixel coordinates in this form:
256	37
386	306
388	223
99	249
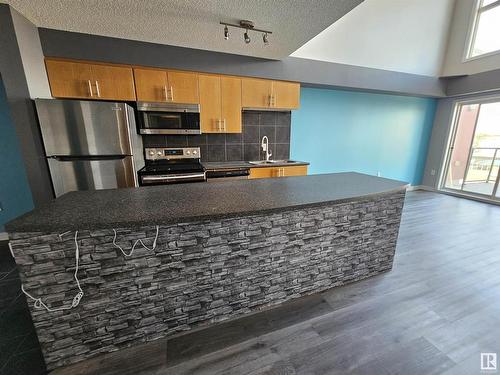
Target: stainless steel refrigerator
90	145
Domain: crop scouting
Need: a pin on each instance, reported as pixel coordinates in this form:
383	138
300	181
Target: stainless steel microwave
168	118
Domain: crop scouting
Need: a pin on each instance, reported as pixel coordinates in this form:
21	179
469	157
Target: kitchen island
207	253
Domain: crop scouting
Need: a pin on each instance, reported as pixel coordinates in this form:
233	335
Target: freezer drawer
91	173
77	127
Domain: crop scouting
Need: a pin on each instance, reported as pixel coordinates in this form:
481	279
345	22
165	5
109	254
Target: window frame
451	136
477	9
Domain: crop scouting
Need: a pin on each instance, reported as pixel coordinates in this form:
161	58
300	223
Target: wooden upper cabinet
183	87
285	95
70	79
220	104
113	82
210	104
151	85
231	104
155	85
263	93
256	93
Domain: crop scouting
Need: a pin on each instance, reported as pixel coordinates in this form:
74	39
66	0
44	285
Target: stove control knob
159	153
195	152
188	152
151	153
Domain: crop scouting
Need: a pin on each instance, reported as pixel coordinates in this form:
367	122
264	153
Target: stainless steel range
171	166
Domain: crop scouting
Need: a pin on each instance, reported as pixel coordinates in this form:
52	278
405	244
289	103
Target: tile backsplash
235	147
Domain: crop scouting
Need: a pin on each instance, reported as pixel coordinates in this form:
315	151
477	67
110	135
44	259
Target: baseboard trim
421	187
453	194
4	236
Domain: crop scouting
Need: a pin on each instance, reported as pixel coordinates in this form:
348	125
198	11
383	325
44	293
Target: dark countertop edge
229	215
246	164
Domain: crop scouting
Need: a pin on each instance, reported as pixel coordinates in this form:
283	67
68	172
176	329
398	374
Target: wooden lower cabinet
270	172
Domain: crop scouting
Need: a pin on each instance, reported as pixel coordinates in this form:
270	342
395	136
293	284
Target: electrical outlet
433	172
379	174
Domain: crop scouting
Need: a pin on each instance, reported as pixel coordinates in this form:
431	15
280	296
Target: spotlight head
226	32
246	37
265	39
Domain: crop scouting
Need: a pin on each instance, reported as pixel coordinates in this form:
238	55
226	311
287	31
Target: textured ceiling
192	23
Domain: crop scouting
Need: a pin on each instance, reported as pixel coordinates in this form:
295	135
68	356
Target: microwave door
169	123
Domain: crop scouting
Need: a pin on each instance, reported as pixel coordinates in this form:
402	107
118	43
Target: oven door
163	179
170	123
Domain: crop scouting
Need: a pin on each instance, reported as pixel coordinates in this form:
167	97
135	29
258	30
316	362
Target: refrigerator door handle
87	157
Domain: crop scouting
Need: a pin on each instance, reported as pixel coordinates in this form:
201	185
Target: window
485	29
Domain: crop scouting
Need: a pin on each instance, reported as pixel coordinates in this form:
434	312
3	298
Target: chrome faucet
265	147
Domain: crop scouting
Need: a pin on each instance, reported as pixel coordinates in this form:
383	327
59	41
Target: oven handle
172	177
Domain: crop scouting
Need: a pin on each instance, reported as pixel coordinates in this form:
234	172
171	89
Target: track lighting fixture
247	26
265	39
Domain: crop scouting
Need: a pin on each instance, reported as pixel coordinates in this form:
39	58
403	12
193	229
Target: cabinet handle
282	172
171	93
97	89
270	100
90	88
274	100
224	125
165	91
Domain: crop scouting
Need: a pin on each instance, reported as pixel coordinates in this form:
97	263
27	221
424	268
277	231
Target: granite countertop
167	204
212	166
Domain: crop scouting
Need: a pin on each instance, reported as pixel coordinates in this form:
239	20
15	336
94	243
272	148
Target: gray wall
56	43
22	110
474	83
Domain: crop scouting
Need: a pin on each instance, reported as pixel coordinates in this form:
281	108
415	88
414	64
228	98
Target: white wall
401	35
32	57
453	62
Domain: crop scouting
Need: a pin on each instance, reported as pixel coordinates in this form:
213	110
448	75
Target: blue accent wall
15	195
340	131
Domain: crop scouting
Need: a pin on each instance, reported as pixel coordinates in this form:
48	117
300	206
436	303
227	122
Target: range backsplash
235	147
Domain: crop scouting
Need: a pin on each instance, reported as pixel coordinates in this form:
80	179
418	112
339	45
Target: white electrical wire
76	299
135	244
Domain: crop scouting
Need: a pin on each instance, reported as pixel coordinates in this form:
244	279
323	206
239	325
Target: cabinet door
268	172
183	87
256	93
231	104
286	95
296	170
70	79
210	104
150	85
263	172
113	82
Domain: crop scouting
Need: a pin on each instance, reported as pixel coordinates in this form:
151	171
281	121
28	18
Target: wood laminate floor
434	313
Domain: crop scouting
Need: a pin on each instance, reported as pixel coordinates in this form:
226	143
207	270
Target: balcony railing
483	165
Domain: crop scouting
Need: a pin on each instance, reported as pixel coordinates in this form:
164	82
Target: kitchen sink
270	162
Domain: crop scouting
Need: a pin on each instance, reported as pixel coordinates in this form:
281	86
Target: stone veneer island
223	250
